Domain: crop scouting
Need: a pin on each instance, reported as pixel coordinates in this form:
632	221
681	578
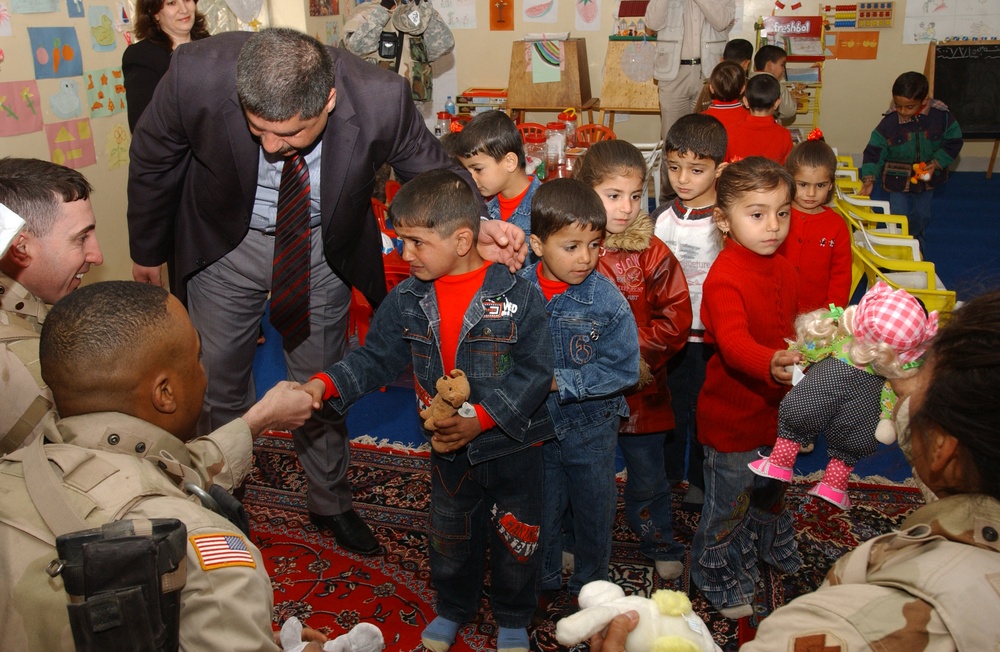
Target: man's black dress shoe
349	530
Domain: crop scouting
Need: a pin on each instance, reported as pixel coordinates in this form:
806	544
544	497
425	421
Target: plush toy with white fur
667	622
365	637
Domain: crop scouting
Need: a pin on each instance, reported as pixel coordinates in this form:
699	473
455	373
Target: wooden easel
620	93
571	91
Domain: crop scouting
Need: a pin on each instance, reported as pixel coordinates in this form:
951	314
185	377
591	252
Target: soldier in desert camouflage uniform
45	262
122	360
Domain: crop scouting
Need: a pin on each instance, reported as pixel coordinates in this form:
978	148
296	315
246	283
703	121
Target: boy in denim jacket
458	312
491	149
596	345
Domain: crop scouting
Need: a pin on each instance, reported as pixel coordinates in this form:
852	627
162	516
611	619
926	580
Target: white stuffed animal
365	637
667	622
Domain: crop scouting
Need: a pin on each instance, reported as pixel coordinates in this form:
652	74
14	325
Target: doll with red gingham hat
851	353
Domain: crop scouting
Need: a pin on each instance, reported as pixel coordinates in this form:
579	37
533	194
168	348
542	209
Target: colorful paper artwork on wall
20	108
74	8
332	32
105	92
501	15
102	29
852	45
66	103
116	147
71	143
540	11
56	52
5	29
34	6
458	14
324	7
588	15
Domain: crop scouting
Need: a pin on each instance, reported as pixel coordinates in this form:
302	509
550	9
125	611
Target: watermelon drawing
537	11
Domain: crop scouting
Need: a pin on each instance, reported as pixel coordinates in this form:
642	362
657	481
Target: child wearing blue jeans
596	345
457	311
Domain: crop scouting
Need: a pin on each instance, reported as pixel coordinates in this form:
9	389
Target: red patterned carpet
332	590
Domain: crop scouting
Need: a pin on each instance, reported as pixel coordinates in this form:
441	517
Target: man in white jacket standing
690	38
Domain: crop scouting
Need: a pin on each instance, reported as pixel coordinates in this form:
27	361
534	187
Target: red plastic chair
593	133
527	128
391	188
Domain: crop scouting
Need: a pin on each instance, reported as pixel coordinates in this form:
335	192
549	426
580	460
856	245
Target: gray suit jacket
193	170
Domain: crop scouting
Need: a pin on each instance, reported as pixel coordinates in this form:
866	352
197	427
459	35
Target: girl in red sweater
748	307
818	244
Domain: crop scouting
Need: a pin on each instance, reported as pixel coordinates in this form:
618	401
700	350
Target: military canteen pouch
124	583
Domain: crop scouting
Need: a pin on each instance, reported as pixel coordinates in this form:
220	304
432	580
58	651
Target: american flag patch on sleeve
222	550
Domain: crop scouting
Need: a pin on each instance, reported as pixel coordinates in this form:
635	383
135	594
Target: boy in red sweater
748	307
759	134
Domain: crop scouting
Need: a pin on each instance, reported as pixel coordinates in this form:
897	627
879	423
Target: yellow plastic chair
916	280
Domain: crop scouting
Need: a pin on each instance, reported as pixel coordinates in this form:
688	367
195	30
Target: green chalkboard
966	77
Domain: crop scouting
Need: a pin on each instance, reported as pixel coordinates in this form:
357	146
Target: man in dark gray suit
206	162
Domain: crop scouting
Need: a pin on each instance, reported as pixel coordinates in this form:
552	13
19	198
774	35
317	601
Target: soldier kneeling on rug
122	360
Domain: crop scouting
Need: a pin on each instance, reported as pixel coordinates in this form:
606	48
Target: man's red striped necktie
290	274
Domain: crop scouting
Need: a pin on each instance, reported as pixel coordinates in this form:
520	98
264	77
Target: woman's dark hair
147	29
961	396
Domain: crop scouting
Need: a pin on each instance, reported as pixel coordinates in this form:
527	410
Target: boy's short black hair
439	200
562	202
701	134
492	133
728	79
911	85
763	90
768	54
738	50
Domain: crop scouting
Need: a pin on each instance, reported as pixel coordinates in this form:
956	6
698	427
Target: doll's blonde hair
821	328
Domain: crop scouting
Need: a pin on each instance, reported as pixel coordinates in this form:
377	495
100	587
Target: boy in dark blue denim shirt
491	149
458	312
596	346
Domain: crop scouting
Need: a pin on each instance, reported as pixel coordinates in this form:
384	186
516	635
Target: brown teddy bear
452	391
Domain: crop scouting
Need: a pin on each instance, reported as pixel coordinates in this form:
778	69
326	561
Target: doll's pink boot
778	465
833	488
833	495
769	469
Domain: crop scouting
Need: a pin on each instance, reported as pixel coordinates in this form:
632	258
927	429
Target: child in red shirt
748	308
818	243
759	134
727	84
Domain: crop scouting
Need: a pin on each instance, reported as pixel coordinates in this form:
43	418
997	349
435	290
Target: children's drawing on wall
588	15
71	143
102	28
20	110
116	147
951	20
74	8
457	14
34	6
5	29
65	103
501	15
324	7
56	52
105	92
540	11
332	32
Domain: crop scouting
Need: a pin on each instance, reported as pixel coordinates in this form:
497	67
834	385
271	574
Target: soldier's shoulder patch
222	551
817	642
